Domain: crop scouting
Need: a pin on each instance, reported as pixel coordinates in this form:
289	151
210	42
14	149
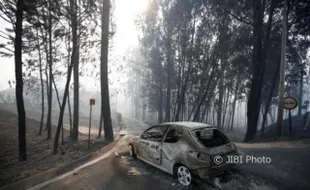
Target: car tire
132	152
184	175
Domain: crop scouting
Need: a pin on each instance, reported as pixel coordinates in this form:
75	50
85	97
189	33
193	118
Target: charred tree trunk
236	94
181	100
69	104
63	105
254	99
59	104
50	91
19	82
69	108
220	100
160	103
42	85
56	90
75	61
259	62
274	81
169	71
105	18
45	42
100	123
206	92
226	105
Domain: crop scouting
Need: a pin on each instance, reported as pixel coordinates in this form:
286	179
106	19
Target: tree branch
6	49
5	19
234	16
5	37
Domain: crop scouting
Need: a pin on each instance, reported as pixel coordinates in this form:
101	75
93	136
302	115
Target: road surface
120	172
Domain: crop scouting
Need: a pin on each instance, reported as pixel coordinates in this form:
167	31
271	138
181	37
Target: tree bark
70	114
42	86
254	99
69	104
226	105
74	59
100	122
236	94
46	67
169	71
160	103
220	100
19	82
184	87
59	104
49	115
274	81
206	92
105	16
63	105
75	40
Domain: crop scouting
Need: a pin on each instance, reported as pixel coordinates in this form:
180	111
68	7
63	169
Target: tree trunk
69	107
56	90
254	99
49	115
62	109
42	86
46	71
236	94
100	122
19	82
160	103
69	104
274	81
169	72
300	88
105	18
206	92
59	104
226	105
75	52
184	88
214	121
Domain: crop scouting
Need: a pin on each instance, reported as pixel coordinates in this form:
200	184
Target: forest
196	59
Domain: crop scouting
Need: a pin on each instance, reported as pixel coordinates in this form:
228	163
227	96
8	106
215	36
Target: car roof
189	124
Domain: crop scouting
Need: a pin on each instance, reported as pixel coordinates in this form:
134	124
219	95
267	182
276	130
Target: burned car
184	149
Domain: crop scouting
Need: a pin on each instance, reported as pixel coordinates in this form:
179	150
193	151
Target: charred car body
184	149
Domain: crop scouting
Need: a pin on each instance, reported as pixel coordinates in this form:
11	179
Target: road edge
54	172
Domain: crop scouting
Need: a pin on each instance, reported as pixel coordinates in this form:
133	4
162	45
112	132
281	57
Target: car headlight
200	156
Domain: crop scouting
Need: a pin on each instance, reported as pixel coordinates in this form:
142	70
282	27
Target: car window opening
216	138
172	136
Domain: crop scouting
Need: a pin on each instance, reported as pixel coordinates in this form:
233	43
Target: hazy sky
125	37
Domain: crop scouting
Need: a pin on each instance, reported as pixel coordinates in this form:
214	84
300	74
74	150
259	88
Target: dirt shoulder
39	149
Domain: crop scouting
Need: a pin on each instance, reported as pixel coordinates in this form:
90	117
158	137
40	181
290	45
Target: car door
151	144
171	145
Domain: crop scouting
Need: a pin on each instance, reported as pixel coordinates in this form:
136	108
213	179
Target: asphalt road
289	164
120	172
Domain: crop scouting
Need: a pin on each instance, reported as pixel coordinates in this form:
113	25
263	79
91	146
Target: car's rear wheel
131	151
184	176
